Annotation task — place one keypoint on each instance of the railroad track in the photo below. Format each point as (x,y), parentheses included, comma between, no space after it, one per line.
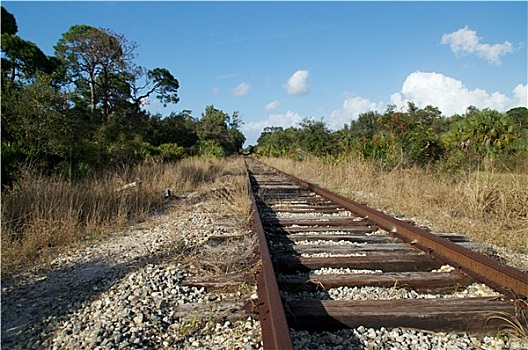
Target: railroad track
(313,242)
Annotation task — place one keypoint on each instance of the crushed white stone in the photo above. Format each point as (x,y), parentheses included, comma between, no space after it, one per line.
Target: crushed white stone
(123,293)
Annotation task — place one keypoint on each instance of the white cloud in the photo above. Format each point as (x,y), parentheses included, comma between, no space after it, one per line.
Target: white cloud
(451,96)
(297,84)
(422,88)
(284,120)
(241,90)
(520,94)
(216,91)
(272,105)
(466,41)
(252,130)
(353,106)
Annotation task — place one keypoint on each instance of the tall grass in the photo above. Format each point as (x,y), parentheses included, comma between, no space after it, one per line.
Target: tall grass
(485,205)
(43,214)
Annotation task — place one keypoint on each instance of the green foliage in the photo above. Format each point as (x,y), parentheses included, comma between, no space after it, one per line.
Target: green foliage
(483,137)
(314,137)
(125,152)
(518,117)
(380,148)
(420,137)
(519,120)
(169,152)
(165,85)
(98,63)
(275,141)
(177,128)
(366,125)
(79,112)
(36,118)
(12,152)
(484,132)
(9,25)
(147,82)
(210,149)
(23,60)
(217,126)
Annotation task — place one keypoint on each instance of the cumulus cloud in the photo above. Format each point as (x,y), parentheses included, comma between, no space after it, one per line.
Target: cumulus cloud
(465,41)
(520,94)
(298,85)
(272,105)
(284,120)
(252,130)
(353,106)
(451,96)
(241,90)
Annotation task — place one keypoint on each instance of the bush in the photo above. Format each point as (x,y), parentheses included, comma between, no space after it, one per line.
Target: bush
(210,149)
(130,152)
(169,152)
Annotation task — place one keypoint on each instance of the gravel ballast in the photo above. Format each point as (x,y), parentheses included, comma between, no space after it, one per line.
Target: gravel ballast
(127,292)
(397,338)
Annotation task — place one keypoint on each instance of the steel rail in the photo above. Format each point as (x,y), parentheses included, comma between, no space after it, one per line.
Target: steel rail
(275,329)
(508,280)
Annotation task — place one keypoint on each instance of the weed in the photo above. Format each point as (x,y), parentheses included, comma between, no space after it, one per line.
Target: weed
(513,325)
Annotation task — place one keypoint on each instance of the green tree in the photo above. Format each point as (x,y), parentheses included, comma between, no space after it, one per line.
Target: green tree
(235,137)
(479,134)
(22,60)
(315,138)
(159,81)
(519,118)
(366,125)
(95,59)
(418,138)
(221,129)
(36,119)
(80,111)
(489,131)
(274,141)
(312,137)
(179,128)
(9,24)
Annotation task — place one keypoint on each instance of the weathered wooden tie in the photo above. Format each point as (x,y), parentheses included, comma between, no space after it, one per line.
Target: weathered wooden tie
(467,314)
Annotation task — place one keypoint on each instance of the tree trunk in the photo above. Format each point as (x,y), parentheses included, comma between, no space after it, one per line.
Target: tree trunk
(105,96)
(92,92)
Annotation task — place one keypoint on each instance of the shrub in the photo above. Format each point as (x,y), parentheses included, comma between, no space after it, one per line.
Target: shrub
(169,152)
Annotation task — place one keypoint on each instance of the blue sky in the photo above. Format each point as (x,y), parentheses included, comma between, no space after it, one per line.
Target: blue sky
(277,63)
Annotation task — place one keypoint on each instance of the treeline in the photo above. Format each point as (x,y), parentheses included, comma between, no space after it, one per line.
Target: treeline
(420,137)
(82,110)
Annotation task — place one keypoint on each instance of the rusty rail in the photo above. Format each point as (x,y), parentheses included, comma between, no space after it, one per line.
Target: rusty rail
(275,330)
(507,280)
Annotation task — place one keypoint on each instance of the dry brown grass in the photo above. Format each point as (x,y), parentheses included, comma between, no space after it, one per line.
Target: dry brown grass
(486,206)
(226,245)
(516,325)
(226,201)
(42,215)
